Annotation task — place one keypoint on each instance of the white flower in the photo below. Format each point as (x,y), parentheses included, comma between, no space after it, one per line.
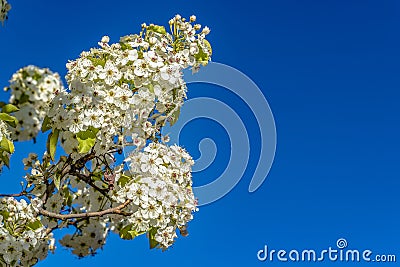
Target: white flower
(105,39)
(123,98)
(153,59)
(170,73)
(205,30)
(139,42)
(110,73)
(166,236)
(129,55)
(141,68)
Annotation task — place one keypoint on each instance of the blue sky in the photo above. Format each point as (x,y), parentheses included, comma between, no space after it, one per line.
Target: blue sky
(330,72)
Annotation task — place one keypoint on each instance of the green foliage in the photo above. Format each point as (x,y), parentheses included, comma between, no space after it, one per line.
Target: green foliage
(128,232)
(52,143)
(10,120)
(123,180)
(5,159)
(152,241)
(34,225)
(9,108)
(86,139)
(6,145)
(46,125)
(157,28)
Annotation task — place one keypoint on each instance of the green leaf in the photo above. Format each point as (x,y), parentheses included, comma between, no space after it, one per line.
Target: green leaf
(151,88)
(7,145)
(52,143)
(157,28)
(125,46)
(208,45)
(5,159)
(57,180)
(124,233)
(123,180)
(97,61)
(12,121)
(5,214)
(86,139)
(46,125)
(37,76)
(134,233)
(9,108)
(34,225)
(152,241)
(129,233)
(203,57)
(94,130)
(175,116)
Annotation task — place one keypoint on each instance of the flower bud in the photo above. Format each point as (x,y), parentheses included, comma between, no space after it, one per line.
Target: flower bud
(206,30)
(105,39)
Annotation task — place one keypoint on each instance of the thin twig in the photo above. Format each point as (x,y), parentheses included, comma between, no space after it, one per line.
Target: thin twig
(23,193)
(64,217)
(89,181)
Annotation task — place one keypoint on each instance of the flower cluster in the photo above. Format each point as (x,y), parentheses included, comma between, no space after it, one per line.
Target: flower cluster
(90,237)
(160,191)
(36,179)
(4,8)
(24,240)
(130,88)
(32,88)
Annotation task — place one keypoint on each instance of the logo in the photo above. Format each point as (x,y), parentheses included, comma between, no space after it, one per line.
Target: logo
(339,253)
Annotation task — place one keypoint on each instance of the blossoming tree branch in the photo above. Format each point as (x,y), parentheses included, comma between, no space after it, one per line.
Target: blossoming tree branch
(119,96)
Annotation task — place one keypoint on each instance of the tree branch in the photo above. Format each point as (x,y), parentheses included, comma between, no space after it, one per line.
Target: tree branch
(89,181)
(23,193)
(64,217)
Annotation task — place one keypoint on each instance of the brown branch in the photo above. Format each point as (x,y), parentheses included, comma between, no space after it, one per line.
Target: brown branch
(80,163)
(89,181)
(23,193)
(64,217)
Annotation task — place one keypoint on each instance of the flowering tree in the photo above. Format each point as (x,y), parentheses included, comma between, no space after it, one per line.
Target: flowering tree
(119,96)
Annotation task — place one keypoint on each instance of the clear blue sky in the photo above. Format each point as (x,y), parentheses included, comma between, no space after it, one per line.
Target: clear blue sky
(330,71)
